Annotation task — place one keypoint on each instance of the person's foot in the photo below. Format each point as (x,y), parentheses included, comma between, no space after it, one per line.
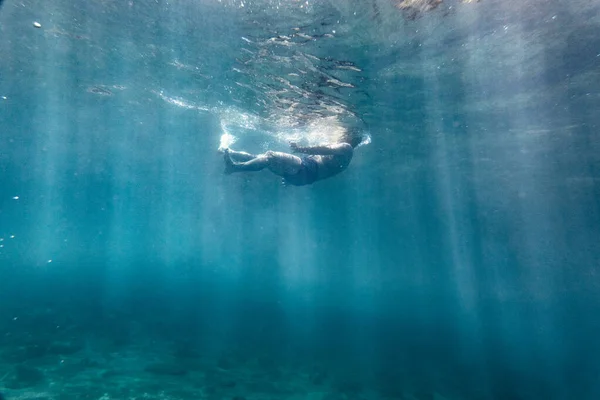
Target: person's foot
(229,165)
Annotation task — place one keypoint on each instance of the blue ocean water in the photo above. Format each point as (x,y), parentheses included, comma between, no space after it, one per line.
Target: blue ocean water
(456,258)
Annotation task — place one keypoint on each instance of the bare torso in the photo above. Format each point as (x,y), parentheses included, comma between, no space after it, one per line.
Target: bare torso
(333,164)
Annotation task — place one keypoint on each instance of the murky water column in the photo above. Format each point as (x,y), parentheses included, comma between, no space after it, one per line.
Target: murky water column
(512,148)
(457,255)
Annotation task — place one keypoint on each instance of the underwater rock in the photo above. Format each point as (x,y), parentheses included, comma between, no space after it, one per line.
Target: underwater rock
(348,385)
(318,378)
(423,395)
(88,363)
(210,390)
(63,349)
(184,350)
(28,374)
(25,376)
(110,373)
(225,363)
(1,395)
(333,396)
(22,354)
(165,369)
(34,351)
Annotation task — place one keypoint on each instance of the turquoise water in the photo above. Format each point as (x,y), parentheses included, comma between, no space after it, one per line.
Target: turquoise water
(456,258)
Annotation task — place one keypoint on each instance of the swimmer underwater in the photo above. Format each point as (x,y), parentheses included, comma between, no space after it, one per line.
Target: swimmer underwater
(317,162)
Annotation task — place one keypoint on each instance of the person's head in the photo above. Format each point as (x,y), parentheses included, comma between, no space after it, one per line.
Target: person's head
(352,136)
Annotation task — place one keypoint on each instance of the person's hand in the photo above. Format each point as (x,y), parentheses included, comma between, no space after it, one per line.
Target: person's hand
(294,146)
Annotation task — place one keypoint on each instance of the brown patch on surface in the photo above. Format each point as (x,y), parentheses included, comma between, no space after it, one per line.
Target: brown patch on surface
(414,8)
(419,5)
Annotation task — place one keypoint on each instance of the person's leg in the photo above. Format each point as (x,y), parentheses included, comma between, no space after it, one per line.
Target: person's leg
(283,164)
(279,163)
(254,164)
(240,155)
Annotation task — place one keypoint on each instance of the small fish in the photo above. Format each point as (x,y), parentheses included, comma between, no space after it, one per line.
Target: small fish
(99,90)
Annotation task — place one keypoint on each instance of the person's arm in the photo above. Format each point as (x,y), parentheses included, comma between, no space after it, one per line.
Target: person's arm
(323,150)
